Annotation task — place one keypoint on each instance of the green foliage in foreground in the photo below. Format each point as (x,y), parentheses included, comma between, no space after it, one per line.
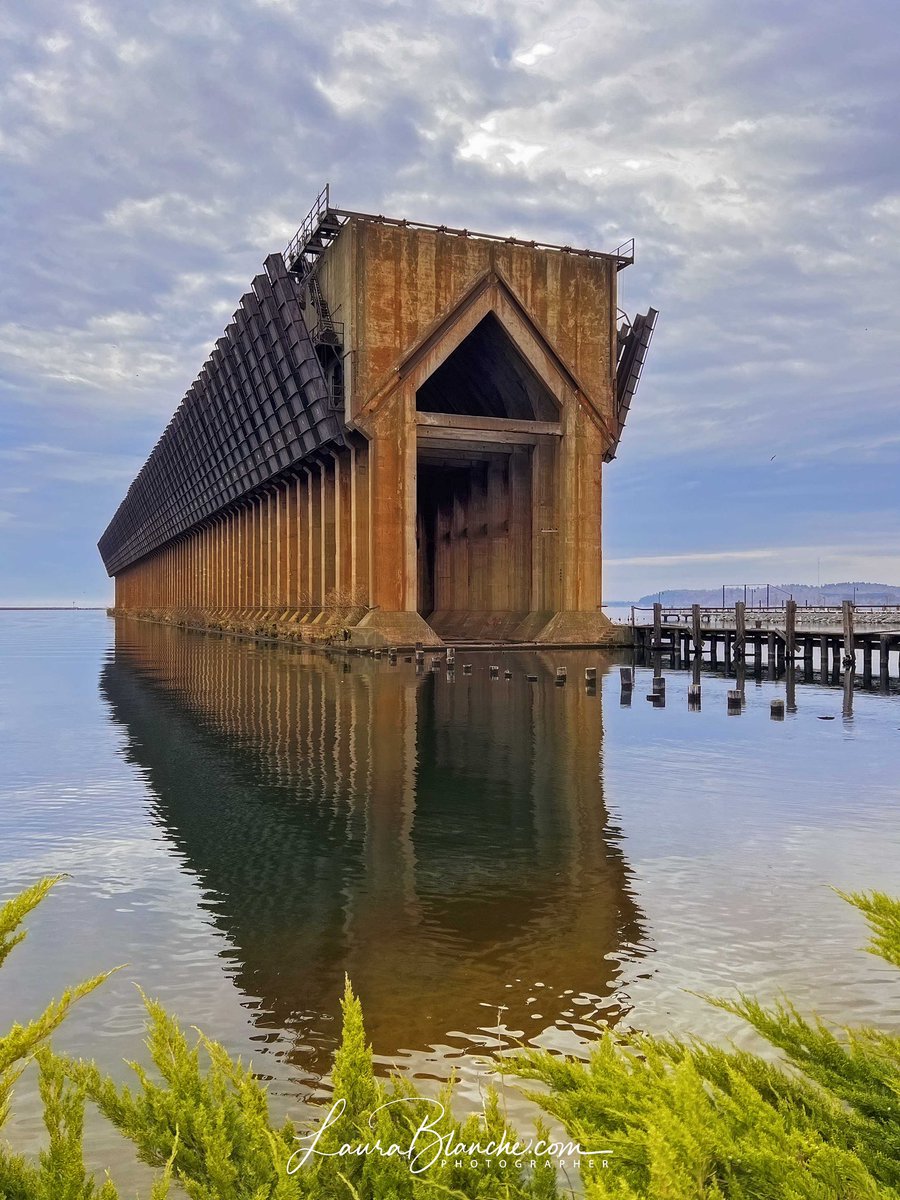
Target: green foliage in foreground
(689,1119)
(204,1120)
(683,1120)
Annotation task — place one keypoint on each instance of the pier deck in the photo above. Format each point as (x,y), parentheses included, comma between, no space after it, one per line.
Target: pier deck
(774,636)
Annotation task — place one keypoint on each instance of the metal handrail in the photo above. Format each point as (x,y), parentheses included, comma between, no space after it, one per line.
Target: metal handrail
(623,255)
(729,608)
(311,222)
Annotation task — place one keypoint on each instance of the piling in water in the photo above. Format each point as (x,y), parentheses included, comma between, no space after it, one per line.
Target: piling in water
(694,696)
(776,710)
(626,677)
(734,700)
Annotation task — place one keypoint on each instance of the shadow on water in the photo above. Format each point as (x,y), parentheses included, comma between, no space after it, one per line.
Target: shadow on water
(444,841)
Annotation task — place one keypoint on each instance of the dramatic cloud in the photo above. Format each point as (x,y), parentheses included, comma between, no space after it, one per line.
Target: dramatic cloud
(153,155)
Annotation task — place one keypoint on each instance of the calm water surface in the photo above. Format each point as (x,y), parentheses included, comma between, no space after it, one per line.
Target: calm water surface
(491,862)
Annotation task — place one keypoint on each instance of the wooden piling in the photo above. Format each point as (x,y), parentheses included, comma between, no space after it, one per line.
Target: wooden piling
(791,686)
(696,630)
(790,628)
(740,631)
(849,659)
(776,710)
(807,658)
(657,626)
(694,696)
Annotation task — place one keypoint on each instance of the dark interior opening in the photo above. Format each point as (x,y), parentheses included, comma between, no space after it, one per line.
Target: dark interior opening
(473,532)
(487,376)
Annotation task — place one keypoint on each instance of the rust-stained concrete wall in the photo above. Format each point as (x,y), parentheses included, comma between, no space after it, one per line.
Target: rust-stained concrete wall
(405,280)
(341,542)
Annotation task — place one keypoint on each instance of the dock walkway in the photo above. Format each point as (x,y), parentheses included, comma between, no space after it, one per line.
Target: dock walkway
(788,632)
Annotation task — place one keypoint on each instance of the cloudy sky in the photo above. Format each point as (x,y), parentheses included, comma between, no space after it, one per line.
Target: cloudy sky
(152,154)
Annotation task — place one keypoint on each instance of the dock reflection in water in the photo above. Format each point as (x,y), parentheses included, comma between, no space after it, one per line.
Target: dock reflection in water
(443,842)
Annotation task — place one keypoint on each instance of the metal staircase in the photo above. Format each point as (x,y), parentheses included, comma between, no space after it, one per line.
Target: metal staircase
(301,256)
(315,235)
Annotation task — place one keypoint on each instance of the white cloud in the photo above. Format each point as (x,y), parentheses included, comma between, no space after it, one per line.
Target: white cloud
(528,58)
(169,215)
(66,465)
(87,359)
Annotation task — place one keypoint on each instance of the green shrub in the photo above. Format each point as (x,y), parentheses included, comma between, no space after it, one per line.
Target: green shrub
(688,1119)
(59,1173)
(682,1120)
(205,1121)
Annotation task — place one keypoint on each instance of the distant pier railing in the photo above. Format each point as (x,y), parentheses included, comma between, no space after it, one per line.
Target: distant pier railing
(815,618)
(776,635)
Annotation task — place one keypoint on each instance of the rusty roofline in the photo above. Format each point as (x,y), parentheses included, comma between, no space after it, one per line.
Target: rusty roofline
(323,222)
(623,255)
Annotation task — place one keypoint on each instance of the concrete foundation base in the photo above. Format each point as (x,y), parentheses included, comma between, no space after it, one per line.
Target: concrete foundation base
(380,628)
(583,629)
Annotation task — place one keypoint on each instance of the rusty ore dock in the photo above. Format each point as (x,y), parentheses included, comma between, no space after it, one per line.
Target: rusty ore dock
(399,439)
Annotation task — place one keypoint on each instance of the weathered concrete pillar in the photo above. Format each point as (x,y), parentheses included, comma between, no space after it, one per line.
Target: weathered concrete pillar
(360,521)
(343,465)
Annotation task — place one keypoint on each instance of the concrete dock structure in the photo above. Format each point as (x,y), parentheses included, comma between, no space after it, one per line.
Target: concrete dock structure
(398,440)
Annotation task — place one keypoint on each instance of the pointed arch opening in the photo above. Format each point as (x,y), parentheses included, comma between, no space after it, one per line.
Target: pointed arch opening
(487,376)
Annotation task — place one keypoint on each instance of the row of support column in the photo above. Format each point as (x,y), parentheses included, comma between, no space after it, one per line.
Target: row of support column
(301,543)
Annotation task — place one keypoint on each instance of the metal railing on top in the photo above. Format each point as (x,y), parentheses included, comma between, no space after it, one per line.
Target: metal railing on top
(623,255)
(311,223)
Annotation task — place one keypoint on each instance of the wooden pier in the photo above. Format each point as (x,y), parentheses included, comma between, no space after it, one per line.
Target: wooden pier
(771,638)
